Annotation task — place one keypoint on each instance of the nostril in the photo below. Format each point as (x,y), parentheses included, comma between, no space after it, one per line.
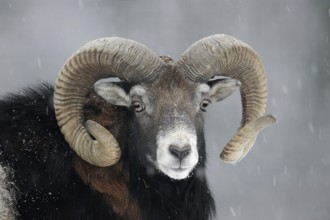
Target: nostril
(175,151)
(185,151)
(180,152)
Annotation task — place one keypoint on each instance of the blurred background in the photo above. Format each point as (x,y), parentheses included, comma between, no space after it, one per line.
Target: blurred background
(287,173)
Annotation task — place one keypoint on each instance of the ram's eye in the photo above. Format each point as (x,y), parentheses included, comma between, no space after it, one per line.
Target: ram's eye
(138,106)
(204,103)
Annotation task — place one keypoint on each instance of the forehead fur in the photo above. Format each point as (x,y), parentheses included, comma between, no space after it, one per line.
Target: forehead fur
(173,87)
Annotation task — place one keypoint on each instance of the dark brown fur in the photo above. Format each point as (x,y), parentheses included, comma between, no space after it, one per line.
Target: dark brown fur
(112,183)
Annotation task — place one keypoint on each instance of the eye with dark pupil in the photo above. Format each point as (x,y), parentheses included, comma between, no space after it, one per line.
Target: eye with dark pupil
(204,104)
(137,106)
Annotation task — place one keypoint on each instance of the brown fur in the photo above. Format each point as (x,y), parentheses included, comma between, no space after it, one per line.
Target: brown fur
(112,181)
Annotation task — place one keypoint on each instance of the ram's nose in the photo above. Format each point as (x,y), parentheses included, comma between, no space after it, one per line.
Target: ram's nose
(179,152)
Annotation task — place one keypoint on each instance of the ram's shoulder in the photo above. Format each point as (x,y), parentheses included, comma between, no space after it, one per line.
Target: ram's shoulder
(30,103)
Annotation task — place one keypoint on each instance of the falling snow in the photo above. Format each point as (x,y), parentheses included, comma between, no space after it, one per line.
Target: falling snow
(288,9)
(39,63)
(284,89)
(232,211)
(274,181)
(311,127)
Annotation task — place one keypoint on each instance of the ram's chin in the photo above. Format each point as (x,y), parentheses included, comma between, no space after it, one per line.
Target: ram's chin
(176,173)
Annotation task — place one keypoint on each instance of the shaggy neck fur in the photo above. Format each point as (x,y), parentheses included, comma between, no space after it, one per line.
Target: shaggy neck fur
(160,197)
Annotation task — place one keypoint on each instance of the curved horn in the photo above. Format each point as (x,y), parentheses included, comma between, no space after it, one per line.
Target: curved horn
(224,55)
(102,58)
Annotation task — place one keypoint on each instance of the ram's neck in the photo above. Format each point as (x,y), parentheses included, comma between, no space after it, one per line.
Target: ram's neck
(159,197)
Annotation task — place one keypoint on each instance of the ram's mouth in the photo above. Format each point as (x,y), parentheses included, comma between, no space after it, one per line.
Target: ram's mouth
(179,169)
(176,173)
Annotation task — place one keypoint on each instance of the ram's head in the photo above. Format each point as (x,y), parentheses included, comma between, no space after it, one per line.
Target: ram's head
(166,99)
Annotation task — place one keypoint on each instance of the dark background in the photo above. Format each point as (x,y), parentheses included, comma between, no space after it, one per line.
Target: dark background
(287,174)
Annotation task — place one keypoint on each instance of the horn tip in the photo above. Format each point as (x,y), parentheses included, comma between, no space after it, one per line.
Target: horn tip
(231,158)
(274,118)
(271,118)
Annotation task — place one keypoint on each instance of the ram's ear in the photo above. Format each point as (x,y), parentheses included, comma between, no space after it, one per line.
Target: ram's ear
(114,92)
(222,88)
